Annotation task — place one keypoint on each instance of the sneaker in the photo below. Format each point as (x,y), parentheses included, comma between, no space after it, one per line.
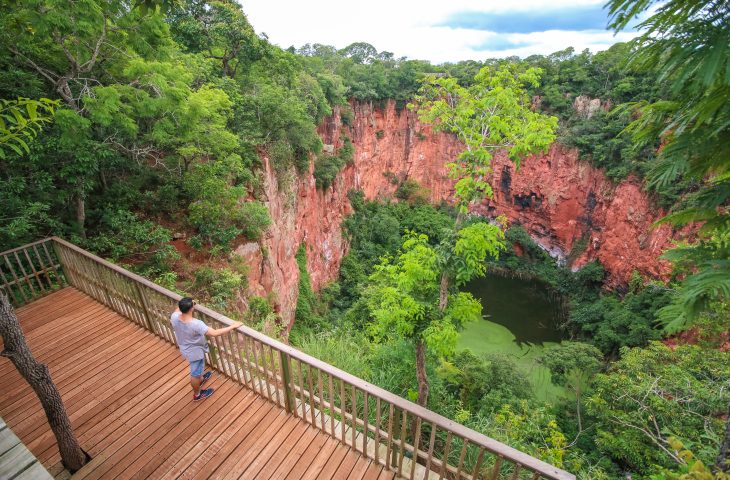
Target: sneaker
(203,395)
(206,377)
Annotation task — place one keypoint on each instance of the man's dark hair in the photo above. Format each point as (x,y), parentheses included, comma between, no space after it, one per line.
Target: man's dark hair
(185,304)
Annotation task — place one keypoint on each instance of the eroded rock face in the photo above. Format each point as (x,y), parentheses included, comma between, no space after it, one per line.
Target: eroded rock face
(560,200)
(300,214)
(573,211)
(587,106)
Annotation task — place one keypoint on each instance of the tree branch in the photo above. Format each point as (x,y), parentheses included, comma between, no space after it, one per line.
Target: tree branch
(61,41)
(44,72)
(651,437)
(88,65)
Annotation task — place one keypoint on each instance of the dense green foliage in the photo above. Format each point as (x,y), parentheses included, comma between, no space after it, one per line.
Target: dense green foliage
(492,113)
(20,122)
(307,313)
(159,115)
(658,392)
(490,393)
(126,239)
(483,383)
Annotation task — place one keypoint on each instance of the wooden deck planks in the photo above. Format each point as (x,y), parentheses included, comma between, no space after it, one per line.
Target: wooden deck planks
(289,454)
(347,466)
(358,471)
(90,376)
(128,397)
(177,439)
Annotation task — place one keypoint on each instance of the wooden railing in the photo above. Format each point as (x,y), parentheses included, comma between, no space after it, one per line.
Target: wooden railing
(380,425)
(30,271)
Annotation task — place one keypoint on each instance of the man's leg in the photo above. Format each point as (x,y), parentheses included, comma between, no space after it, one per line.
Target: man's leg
(195,383)
(196,375)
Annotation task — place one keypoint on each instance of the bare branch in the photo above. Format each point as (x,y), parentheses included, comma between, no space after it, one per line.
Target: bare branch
(656,440)
(88,65)
(139,154)
(61,41)
(44,72)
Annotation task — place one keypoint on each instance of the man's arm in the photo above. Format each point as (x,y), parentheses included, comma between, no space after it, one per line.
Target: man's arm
(217,332)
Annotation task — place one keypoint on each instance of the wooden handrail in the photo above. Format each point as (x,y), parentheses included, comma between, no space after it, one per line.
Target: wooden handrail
(28,245)
(29,272)
(232,354)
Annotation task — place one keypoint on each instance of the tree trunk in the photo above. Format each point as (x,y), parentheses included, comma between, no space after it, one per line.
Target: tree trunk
(444,285)
(421,373)
(102,179)
(81,214)
(443,292)
(64,90)
(723,458)
(39,378)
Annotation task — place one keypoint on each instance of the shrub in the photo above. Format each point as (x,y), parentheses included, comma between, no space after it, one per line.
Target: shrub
(262,317)
(484,384)
(392,177)
(347,115)
(306,314)
(611,323)
(259,308)
(347,151)
(326,169)
(253,218)
(411,191)
(219,286)
(281,154)
(125,237)
(217,211)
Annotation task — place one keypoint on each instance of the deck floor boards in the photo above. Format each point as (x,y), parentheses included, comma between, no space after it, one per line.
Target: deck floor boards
(127,394)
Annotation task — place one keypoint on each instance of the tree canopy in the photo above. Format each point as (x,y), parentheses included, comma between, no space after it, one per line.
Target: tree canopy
(686,43)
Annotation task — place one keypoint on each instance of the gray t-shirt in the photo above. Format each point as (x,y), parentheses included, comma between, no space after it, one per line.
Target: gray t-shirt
(190,337)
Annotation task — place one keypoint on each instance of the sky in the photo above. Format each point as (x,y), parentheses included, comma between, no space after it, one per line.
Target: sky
(438,31)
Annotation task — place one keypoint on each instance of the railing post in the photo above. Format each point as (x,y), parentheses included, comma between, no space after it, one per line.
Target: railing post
(145,309)
(66,273)
(396,428)
(286,380)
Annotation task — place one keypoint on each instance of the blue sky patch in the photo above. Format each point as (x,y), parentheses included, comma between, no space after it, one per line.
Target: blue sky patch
(499,44)
(577,18)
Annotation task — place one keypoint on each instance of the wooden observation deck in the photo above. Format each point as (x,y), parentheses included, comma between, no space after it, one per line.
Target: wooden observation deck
(277,412)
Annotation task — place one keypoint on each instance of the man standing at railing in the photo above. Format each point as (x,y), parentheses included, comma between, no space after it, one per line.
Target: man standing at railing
(190,334)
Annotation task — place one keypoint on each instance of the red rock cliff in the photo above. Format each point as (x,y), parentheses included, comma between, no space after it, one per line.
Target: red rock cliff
(557,198)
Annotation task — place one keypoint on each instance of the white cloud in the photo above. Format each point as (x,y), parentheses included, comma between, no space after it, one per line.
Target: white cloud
(407,28)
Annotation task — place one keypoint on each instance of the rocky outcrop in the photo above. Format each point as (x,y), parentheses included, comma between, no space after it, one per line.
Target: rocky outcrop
(577,214)
(301,214)
(570,208)
(586,106)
